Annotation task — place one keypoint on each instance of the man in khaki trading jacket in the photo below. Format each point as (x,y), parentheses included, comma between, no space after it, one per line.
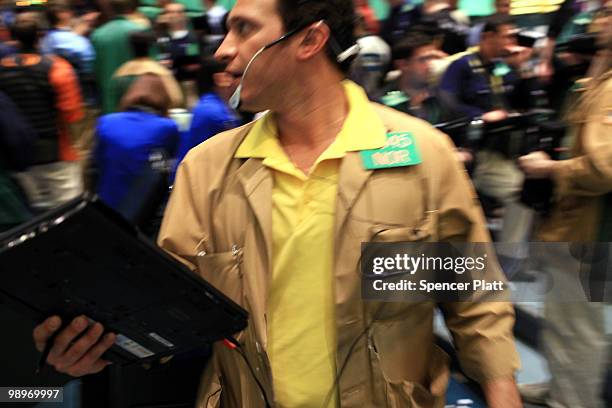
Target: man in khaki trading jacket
(274,214)
(574,337)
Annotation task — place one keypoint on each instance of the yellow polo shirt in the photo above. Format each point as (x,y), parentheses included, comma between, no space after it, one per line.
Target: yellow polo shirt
(301,314)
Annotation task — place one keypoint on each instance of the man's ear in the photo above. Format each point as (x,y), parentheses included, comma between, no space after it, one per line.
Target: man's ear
(314,41)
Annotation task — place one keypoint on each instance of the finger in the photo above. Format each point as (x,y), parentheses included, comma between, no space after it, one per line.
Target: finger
(67,336)
(91,361)
(80,347)
(43,331)
(94,369)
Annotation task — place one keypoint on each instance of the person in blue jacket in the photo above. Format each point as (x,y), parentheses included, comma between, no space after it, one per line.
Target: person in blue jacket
(212,114)
(126,139)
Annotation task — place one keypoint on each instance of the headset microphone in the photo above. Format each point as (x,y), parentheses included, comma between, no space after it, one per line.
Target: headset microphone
(235,100)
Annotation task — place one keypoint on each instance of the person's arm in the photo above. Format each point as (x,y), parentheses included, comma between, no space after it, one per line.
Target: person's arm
(560,19)
(68,100)
(482,331)
(501,393)
(589,174)
(67,91)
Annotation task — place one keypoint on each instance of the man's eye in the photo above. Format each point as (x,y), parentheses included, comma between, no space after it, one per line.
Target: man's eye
(243,28)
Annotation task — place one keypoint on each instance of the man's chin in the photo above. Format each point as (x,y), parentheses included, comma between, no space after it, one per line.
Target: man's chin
(252,106)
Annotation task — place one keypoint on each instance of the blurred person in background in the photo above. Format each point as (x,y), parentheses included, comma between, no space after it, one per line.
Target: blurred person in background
(402,17)
(62,40)
(502,7)
(574,338)
(16,143)
(211,115)
(68,39)
(363,9)
(182,41)
(567,54)
(482,84)
(8,12)
(181,46)
(211,26)
(141,43)
(112,46)
(412,93)
(372,62)
(451,25)
(125,139)
(215,15)
(46,91)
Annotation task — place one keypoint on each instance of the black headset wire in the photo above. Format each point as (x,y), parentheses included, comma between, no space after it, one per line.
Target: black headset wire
(240,351)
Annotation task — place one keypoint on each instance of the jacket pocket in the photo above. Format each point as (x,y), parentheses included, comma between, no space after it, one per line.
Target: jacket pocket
(407,394)
(223,270)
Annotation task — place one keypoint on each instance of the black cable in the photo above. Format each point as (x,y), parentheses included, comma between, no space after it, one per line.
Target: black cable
(334,386)
(248,363)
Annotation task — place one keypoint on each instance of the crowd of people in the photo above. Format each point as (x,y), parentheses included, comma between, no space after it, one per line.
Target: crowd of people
(426,60)
(91,92)
(81,74)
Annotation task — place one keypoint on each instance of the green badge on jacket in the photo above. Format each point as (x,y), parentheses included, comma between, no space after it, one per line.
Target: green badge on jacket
(501,70)
(399,151)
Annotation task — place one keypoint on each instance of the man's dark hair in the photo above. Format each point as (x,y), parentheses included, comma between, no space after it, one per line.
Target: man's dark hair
(25,31)
(412,41)
(339,15)
(493,22)
(208,67)
(141,42)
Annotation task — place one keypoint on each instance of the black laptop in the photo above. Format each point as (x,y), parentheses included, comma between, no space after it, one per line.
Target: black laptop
(84,258)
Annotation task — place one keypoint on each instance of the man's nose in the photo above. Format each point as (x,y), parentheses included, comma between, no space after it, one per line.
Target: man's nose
(228,50)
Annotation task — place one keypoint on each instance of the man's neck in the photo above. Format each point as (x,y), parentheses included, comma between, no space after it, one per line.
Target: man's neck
(308,126)
(417,96)
(316,118)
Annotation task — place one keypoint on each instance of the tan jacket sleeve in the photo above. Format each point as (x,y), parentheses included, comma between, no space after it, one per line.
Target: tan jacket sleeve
(590,173)
(482,331)
(182,232)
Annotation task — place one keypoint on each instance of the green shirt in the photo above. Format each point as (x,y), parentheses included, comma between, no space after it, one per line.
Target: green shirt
(111,42)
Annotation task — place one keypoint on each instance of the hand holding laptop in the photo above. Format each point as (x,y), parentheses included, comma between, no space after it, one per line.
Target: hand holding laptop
(75,349)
